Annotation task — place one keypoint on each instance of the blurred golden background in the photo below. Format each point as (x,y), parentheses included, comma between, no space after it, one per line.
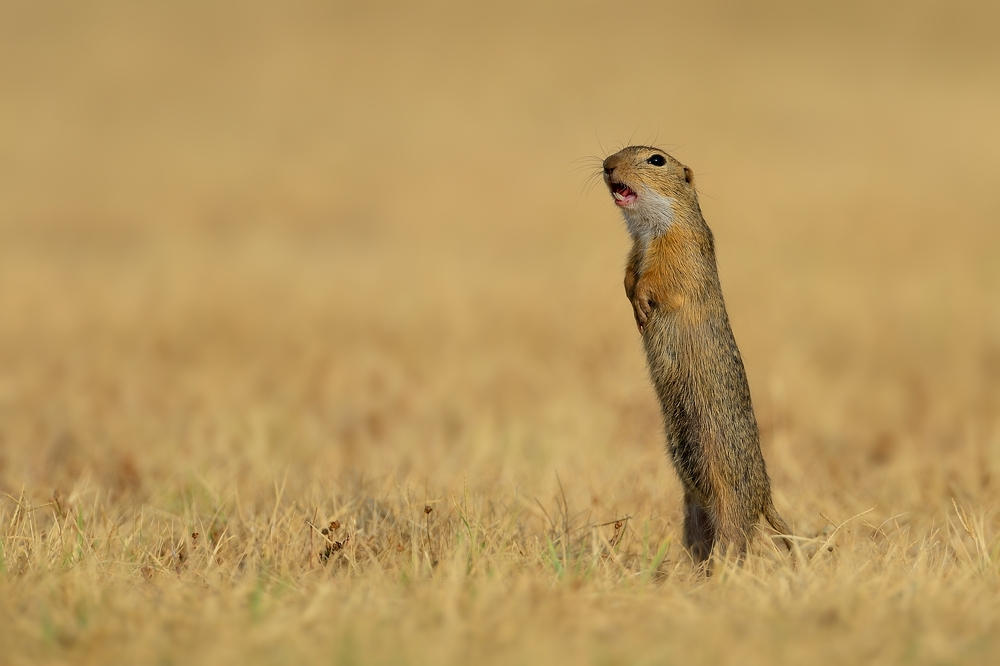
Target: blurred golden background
(338,191)
(353,246)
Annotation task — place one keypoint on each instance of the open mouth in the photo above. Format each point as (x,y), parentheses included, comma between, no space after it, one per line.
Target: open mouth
(622,194)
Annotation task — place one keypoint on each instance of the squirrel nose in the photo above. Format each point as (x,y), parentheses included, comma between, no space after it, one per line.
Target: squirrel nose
(608,169)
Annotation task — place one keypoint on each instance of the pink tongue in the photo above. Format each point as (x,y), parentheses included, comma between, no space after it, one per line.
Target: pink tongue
(626,198)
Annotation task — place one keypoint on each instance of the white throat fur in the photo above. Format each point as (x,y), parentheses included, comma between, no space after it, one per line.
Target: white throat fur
(650,216)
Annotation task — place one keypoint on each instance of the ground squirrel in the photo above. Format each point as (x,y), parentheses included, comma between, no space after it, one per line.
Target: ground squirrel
(673,284)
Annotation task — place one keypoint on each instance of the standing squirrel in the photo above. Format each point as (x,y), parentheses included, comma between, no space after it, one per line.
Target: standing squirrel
(672,281)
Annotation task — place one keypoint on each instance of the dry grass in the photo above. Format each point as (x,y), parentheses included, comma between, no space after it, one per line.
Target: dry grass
(264,271)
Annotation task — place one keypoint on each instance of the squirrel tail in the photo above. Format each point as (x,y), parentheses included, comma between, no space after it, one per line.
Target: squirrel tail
(779,525)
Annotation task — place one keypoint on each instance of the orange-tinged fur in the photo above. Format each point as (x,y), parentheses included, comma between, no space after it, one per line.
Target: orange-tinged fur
(672,281)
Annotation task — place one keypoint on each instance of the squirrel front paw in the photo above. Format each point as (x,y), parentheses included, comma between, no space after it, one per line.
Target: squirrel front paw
(642,305)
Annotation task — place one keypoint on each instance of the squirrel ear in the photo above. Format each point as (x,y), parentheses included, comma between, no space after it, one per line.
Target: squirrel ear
(689,176)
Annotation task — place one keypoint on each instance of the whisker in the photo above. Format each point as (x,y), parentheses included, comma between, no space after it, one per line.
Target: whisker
(588,162)
(590,182)
(600,144)
(632,135)
(593,180)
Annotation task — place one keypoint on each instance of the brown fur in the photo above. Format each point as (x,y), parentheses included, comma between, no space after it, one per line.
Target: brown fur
(673,284)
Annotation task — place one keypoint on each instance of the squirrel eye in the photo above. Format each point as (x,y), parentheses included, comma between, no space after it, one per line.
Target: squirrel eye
(657,160)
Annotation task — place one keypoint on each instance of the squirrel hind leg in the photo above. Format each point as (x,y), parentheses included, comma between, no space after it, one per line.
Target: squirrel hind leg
(733,537)
(699,533)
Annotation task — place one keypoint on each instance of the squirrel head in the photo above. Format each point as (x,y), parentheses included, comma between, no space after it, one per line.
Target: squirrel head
(650,187)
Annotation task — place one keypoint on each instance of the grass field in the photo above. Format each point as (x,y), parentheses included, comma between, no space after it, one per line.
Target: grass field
(313,345)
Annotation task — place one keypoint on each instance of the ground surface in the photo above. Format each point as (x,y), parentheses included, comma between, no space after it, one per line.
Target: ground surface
(263,270)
